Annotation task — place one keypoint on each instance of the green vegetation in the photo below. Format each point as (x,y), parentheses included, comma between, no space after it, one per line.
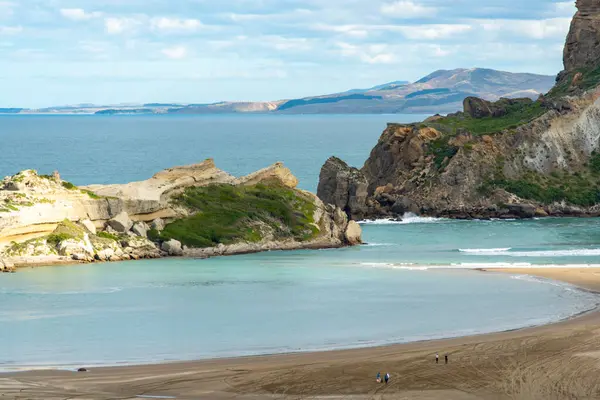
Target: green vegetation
(441,150)
(66,230)
(581,189)
(90,193)
(106,235)
(517,114)
(594,164)
(17,249)
(228,214)
(68,185)
(590,78)
(153,235)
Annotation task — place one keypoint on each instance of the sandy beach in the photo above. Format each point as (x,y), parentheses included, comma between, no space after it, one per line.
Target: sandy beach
(558,361)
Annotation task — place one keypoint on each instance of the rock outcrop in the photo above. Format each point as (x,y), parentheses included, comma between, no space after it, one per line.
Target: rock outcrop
(582,48)
(343,186)
(44,220)
(513,158)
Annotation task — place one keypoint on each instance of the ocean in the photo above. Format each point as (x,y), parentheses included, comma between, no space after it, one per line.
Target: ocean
(413,280)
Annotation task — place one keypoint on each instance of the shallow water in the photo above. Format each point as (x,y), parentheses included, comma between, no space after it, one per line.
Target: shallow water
(178,309)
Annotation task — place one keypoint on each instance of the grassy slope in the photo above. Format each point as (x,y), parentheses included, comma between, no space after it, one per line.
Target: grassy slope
(229,214)
(579,188)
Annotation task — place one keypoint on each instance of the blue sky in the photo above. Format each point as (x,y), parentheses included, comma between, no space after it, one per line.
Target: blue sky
(56,52)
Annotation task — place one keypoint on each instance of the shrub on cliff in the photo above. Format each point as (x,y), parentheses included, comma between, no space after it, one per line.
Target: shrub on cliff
(228,214)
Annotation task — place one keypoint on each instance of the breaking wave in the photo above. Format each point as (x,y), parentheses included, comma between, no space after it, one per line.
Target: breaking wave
(535,253)
(408,218)
(476,251)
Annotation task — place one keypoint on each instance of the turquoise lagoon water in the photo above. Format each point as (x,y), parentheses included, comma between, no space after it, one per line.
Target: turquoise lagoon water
(400,287)
(413,280)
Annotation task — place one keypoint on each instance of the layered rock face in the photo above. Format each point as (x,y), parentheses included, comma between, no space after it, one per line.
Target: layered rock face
(583,42)
(514,158)
(45,220)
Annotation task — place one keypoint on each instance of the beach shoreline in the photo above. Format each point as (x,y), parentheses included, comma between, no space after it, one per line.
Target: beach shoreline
(483,366)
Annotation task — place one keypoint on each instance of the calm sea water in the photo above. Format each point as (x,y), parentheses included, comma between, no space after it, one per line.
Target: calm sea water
(402,286)
(121,149)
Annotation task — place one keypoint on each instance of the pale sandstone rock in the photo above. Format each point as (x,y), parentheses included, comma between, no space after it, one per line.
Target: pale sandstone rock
(140,229)
(158,224)
(89,225)
(276,172)
(353,233)
(121,222)
(172,247)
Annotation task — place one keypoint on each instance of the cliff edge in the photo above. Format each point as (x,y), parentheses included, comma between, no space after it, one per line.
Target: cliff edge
(513,158)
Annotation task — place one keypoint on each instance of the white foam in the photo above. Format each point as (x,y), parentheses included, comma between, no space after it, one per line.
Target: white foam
(408,218)
(537,253)
(378,244)
(405,266)
(501,265)
(500,250)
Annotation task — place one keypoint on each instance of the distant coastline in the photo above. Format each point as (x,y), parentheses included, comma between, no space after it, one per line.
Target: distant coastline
(440,92)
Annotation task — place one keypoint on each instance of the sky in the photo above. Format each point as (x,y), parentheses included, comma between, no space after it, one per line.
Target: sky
(58,52)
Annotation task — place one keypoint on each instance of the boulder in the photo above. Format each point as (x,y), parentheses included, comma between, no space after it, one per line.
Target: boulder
(172,247)
(404,205)
(158,224)
(479,108)
(105,254)
(6,265)
(344,187)
(121,222)
(353,233)
(522,210)
(89,225)
(79,249)
(140,229)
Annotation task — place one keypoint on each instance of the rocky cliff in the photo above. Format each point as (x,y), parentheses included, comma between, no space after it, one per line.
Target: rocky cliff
(196,210)
(505,159)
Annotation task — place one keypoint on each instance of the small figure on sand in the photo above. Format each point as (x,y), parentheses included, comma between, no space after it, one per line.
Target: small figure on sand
(379,377)
(446,358)
(387,378)
(437,358)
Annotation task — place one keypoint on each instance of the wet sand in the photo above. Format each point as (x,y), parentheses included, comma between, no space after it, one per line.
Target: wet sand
(558,361)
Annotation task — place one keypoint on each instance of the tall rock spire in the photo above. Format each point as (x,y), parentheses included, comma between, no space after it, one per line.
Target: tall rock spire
(582,48)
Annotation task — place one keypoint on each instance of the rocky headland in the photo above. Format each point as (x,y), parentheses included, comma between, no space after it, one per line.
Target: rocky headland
(196,210)
(513,158)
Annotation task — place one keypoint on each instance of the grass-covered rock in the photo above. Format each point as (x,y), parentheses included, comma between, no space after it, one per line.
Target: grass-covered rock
(228,214)
(580,188)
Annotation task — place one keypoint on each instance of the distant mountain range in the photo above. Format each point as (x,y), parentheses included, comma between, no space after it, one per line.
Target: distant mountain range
(440,92)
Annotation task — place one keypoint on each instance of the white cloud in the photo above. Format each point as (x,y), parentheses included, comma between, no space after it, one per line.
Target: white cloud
(79,14)
(283,43)
(6,8)
(175,53)
(534,29)
(435,31)
(369,54)
(175,24)
(10,30)
(563,9)
(407,9)
(356,31)
(116,25)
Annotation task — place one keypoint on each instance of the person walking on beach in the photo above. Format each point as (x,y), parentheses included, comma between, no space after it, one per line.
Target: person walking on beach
(437,358)
(387,378)
(446,358)
(379,377)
